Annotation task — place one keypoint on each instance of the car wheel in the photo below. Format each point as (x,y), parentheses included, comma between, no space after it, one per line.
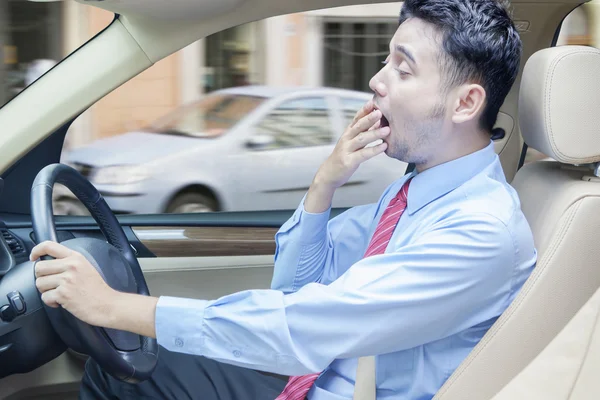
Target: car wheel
(192,203)
(69,207)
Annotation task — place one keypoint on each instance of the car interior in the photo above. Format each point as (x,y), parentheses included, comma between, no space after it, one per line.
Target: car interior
(546,345)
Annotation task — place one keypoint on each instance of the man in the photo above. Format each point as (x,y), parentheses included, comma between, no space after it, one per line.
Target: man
(416,279)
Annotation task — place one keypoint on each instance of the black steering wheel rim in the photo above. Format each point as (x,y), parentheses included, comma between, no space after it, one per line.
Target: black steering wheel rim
(131,366)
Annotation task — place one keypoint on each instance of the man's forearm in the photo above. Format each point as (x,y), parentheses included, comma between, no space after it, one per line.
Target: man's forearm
(319,198)
(133,313)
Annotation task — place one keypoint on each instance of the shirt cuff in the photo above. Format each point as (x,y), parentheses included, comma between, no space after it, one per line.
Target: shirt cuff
(179,324)
(313,224)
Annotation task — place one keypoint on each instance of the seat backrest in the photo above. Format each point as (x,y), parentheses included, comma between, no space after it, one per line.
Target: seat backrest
(559,114)
(567,369)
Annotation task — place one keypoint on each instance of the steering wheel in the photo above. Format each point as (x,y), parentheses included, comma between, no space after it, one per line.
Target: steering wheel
(124,355)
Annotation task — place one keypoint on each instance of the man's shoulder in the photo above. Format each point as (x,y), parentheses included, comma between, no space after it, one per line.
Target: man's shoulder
(486,196)
(492,206)
(479,204)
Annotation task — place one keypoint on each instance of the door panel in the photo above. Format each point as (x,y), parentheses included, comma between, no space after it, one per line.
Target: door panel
(206,262)
(206,278)
(192,277)
(206,241)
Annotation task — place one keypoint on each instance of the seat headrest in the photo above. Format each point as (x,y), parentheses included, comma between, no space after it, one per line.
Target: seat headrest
(559,103)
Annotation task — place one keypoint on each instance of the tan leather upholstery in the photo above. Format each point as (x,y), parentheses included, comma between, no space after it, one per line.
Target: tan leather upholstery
(365,387)
(556,103)
(560,116)
(568,368)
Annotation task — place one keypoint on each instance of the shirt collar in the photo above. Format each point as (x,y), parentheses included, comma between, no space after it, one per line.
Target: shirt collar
(435,182)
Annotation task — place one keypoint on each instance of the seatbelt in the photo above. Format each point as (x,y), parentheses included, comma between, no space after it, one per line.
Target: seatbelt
(365,387)
(523,155)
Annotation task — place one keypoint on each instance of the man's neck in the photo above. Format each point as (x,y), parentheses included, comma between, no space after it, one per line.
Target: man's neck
(455,151)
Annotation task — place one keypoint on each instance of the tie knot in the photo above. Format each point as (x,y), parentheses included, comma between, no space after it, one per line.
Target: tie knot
(402,195)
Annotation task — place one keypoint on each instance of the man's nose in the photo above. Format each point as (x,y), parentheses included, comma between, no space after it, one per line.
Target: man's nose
(378,86)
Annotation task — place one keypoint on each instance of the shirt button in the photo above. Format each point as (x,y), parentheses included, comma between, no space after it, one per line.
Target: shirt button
(179,342)
(237,353)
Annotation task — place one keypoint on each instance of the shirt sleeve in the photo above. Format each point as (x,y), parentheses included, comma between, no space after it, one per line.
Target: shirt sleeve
(311,248)
(454,277)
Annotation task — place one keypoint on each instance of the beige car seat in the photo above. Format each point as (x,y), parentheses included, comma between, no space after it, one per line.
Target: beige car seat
(567,369)
(559,115)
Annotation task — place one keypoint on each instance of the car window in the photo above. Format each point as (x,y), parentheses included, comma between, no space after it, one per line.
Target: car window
(209,117)
(35,36)
(349,109)
(237,121)
(296,123)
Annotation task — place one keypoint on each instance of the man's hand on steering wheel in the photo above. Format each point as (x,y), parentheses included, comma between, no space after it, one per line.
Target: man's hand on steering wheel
(94,291)
(71,282)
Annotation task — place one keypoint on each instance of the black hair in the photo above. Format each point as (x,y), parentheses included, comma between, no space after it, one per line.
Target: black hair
(480,44)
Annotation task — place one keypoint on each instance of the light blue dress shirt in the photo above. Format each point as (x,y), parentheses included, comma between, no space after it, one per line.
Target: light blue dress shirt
(458,256)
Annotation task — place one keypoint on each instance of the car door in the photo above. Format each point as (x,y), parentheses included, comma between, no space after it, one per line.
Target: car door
(283,151)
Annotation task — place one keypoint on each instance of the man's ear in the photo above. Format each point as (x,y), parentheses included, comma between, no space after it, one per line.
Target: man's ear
(470,100)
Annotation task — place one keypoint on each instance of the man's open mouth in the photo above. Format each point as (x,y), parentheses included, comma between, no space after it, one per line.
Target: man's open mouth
(384,121)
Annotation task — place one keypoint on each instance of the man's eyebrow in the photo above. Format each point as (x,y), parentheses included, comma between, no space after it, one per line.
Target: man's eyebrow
(406,52)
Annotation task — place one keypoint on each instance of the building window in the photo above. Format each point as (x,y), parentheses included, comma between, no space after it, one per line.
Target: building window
(30,43)
(232,57)
(354,52)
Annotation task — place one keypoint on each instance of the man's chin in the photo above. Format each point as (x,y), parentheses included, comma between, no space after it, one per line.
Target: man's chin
(391,154)
(398,154)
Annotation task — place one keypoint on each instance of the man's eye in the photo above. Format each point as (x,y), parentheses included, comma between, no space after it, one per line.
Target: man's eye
(402,73)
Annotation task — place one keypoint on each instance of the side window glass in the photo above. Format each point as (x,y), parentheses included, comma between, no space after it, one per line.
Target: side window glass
(37,35)
(349,109)
(295,123)
(191,133)
(576,29)
(210,117)
(354,50)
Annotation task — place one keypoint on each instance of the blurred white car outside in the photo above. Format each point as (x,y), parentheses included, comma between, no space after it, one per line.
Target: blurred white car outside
(238,149)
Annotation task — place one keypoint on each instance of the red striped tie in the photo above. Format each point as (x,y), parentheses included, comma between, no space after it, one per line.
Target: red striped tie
(387,223)
(298,386)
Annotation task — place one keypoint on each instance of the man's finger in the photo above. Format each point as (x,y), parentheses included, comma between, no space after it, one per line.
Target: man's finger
(365,110)
(369,152)
(376,126)
(50,267)
(46,283)
(364,124)
(51,249)
(364,138)
(50,298)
